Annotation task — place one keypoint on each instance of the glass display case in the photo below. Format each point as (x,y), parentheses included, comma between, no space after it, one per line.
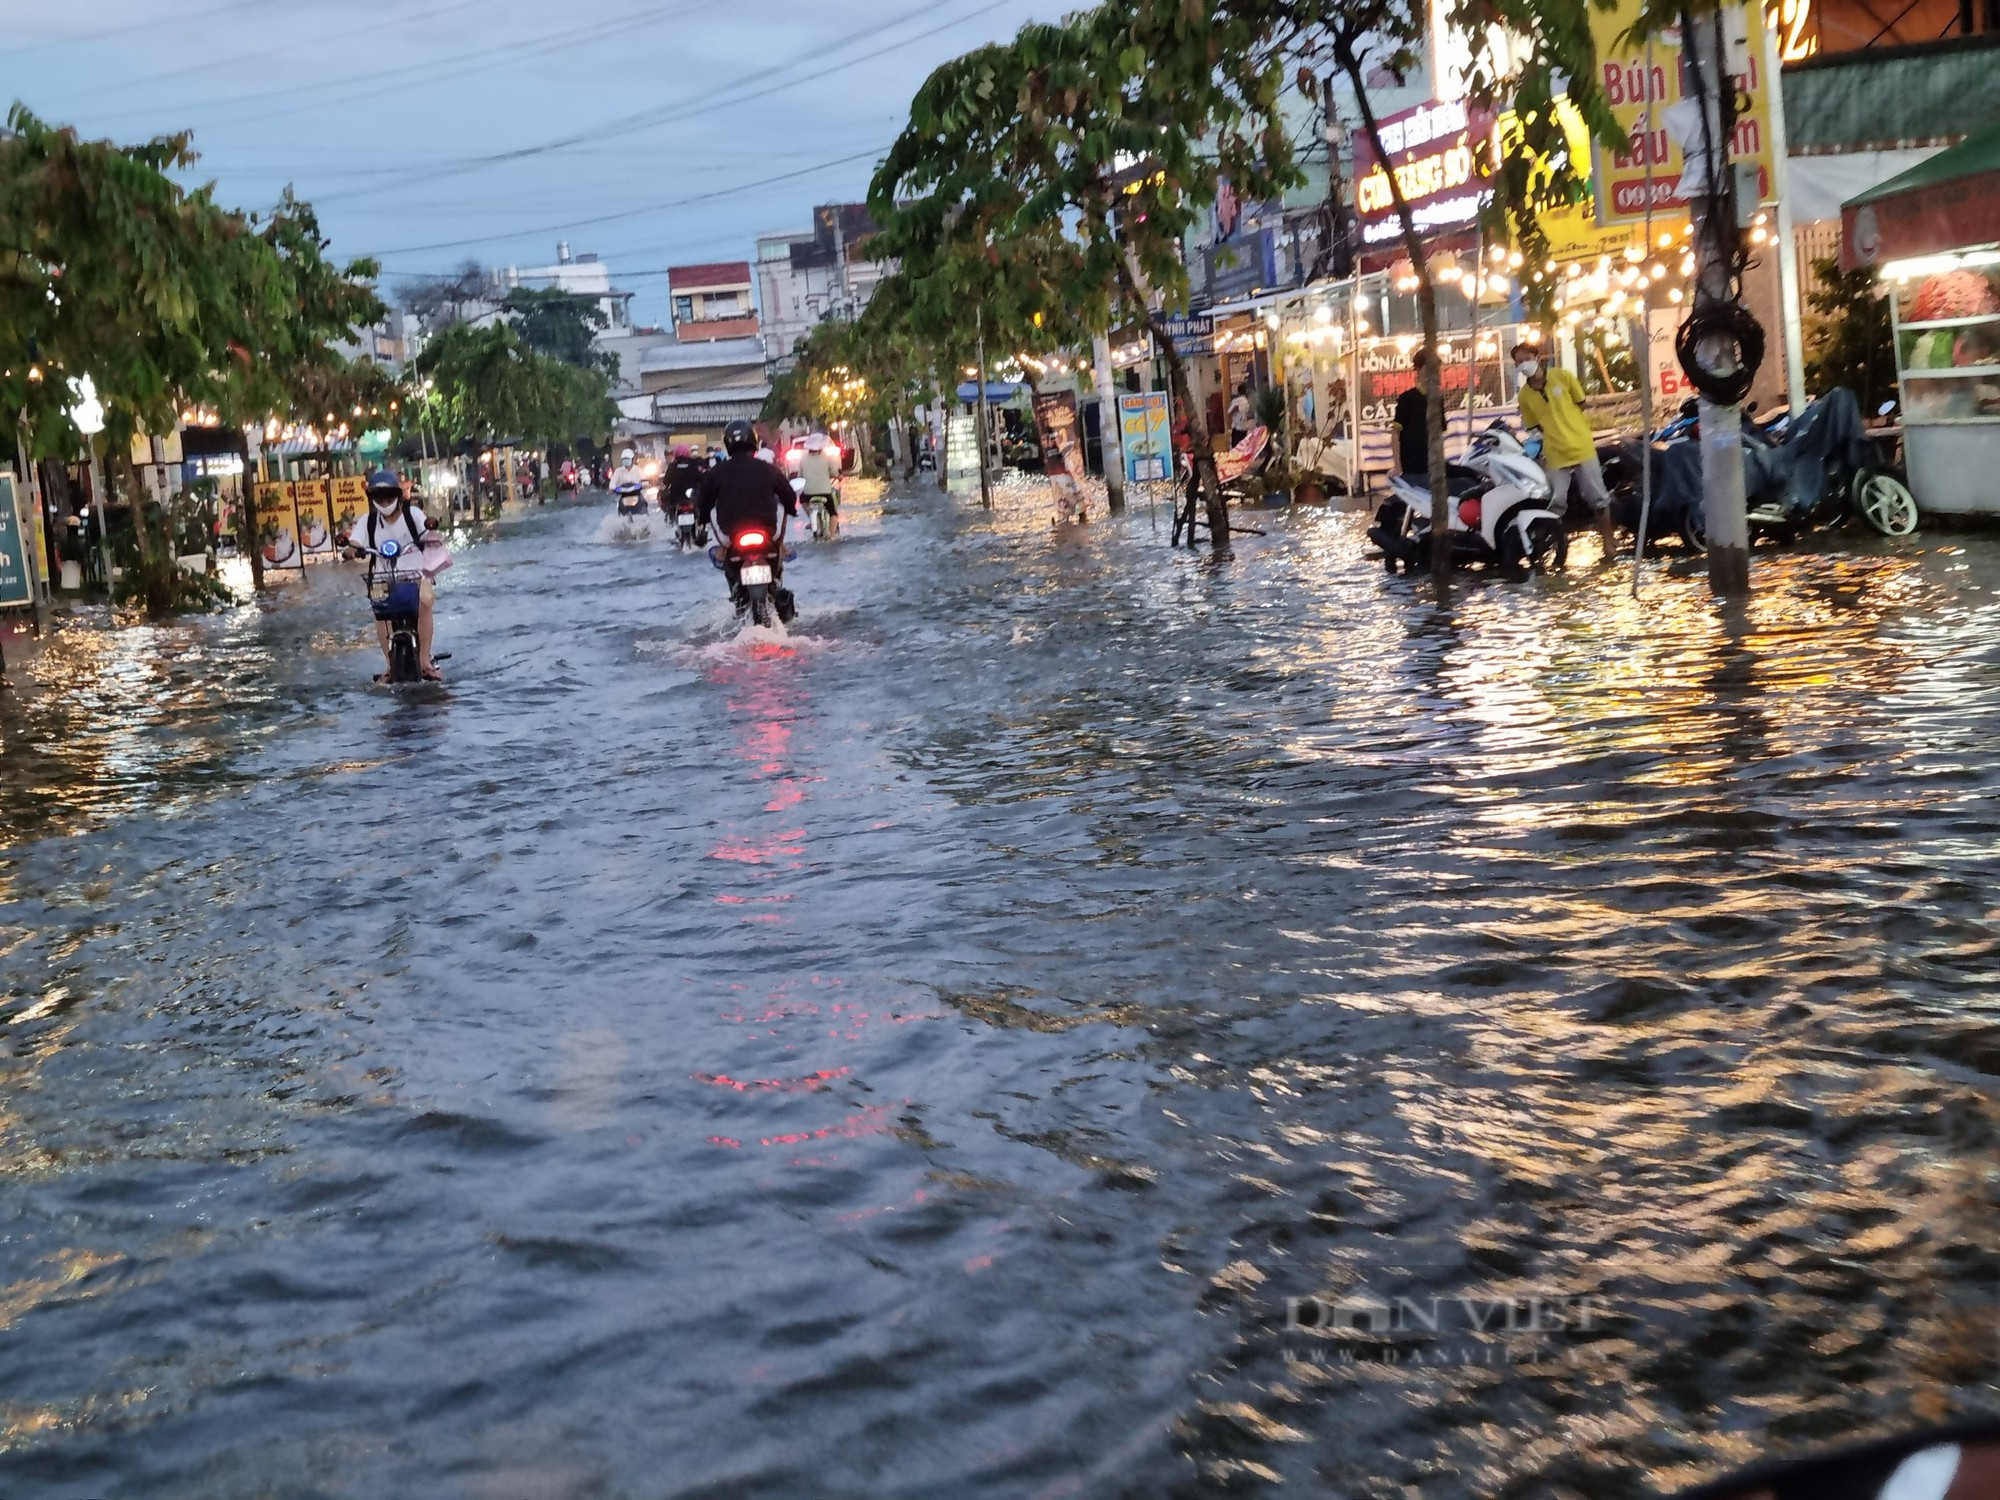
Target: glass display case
(1946,312)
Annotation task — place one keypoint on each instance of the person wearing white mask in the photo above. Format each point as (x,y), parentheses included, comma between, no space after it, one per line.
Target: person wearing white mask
(1552,400)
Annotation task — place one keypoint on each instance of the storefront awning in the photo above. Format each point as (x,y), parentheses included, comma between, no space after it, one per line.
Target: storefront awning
(1946,203)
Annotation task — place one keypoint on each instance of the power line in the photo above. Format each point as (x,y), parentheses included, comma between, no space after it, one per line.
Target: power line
(112,32)
(634,213)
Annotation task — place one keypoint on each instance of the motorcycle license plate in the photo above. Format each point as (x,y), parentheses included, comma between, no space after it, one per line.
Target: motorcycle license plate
(756,573)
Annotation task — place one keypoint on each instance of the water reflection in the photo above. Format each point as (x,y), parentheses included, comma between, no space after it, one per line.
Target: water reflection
(670,1053)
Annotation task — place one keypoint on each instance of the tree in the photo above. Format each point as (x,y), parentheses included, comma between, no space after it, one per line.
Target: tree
(1848,339)
(437,302)
(486,383)
(112,270)
(1097,142)
(562,325)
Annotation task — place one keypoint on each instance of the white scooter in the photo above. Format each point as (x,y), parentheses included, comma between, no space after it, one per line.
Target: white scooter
(1500,513)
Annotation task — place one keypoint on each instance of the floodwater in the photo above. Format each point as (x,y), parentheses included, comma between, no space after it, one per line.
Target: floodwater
(927,1054)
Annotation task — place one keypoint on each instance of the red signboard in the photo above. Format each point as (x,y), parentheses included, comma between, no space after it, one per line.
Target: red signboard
(1926,220)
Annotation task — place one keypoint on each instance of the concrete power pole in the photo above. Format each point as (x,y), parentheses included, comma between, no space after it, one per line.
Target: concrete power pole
(1712,200)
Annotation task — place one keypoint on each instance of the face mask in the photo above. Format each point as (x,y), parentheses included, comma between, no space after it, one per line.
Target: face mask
(1527,368)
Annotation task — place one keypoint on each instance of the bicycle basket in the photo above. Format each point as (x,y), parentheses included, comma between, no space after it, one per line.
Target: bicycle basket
(394,598)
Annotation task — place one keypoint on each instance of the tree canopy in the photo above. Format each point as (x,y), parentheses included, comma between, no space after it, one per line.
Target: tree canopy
(486,383)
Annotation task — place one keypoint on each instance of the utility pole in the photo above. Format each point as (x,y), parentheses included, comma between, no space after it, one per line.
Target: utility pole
(1715,349)
(1110,436)
(985,433)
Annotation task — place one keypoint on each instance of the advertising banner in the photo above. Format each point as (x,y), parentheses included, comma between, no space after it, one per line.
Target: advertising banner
(315,510)
(17,579)
(1062,449)
(1433,150)
(1646,89)
(1148,438)
(278,520)
(1386,374)
(350,503)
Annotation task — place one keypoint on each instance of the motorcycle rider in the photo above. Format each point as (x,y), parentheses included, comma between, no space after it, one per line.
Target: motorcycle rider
(1552,400)
(391,517)
(683,478)
(745,491)
(822,477)
(627,472)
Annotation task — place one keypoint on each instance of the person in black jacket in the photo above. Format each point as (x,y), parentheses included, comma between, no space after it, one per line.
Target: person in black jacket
(683,477)
(743,492)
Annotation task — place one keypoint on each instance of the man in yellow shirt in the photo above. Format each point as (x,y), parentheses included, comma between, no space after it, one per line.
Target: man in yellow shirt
(1553,401)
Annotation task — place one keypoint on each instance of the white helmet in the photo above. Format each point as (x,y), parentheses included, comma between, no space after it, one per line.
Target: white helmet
(816,443)
(626,458)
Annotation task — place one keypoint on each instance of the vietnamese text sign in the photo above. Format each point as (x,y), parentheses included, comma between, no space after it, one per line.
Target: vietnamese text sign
(278,523)
(1433,151)
(350,503)
(17,580)
(315,509)
(1194,335)
(1642,85)
(1147,436)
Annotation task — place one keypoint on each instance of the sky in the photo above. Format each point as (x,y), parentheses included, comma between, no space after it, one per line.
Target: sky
(432,132)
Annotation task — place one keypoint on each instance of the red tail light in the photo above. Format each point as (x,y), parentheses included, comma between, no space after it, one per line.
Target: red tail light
(750,539)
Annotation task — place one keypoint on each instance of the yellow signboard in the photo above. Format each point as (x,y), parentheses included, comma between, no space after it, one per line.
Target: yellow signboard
(315,518)
(350,503)
(1641,84)
(278,520)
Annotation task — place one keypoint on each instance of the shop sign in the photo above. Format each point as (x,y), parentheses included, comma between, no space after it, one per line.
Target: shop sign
(1433,150)
(278,520)
(315,509)
(17,582)
(1190,336)
(1062,453)
(1242,266)
(350,503)
(1642,84)
(1384,367)
(1147,437)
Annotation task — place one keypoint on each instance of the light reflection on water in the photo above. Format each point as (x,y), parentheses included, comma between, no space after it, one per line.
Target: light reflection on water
(665,1062)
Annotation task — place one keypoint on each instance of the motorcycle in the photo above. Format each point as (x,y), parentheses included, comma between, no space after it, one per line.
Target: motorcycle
(1816,468)
(398,601)
(570,481)
(927,458)
(1499,516)
(821,519)
(758,596)
(688,530)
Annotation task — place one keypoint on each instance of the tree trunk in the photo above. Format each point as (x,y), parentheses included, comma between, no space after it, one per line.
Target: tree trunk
(1433,376)
(1201,449)
(247,526)
(944,446)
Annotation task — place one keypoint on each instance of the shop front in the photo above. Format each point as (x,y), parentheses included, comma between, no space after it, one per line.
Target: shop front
(1933,236)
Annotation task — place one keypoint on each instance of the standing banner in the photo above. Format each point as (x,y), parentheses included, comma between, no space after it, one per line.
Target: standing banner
(350,503)
(1645,87)
(17,579)
(279,520)
(1147,436)
(315,510)
(1062,453)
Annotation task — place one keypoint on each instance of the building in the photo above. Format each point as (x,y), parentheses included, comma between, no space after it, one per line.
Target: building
(713,302)
(579,275)
(690,391)
(806,277)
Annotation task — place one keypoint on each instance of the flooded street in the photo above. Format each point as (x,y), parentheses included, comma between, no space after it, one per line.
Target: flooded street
(927,1055)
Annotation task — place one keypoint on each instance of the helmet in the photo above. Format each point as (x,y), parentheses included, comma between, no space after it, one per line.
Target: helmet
(816,443)
(739,437)
(385,484)
(681,450)
(626,457)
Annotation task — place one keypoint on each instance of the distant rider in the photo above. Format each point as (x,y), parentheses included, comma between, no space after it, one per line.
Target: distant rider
(628,472)
(392,518)
(821,475)
(745,491)
(683,477)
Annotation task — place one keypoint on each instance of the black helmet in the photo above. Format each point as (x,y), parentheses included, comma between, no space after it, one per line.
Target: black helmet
(385,484)
(739,437)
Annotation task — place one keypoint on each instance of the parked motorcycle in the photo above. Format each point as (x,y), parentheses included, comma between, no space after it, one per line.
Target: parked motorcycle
(1818,468)
(1500,515)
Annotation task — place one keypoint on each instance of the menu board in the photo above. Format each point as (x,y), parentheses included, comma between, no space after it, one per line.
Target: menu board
(278,525)
(1948,345)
